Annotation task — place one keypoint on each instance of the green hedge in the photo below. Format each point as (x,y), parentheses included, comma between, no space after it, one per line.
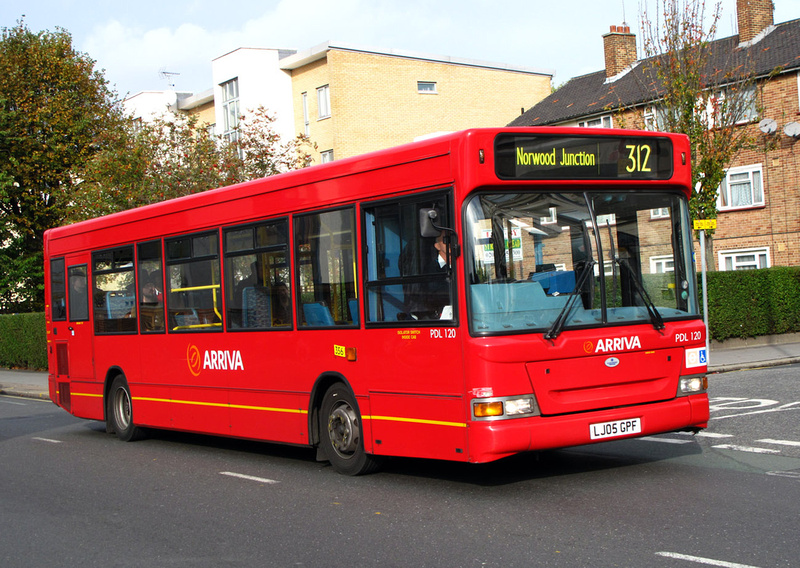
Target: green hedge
(23,341)
(749,303)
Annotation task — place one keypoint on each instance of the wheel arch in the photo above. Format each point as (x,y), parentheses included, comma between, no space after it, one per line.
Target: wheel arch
(321,386)
(112,373)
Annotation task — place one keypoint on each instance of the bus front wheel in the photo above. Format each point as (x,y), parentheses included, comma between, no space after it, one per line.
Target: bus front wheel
(119,411)
(341,434)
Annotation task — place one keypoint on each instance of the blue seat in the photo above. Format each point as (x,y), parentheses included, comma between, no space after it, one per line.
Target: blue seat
(318,315)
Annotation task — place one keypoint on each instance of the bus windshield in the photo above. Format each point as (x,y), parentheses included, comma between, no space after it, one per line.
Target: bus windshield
(545,262)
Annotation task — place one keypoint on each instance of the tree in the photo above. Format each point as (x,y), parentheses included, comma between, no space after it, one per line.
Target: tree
(53,108)
(145,163)
(700,88)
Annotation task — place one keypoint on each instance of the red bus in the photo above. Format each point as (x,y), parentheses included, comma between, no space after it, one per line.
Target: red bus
(466,297)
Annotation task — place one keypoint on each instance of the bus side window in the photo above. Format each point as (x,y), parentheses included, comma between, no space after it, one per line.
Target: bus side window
(326,268)
(78,293)
(150,274)
(58,290)
(194,292)
(407,279)
(257,277)
(113,291)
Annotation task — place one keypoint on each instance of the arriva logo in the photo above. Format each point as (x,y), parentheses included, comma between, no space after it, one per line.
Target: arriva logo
(610,344)
(214,359)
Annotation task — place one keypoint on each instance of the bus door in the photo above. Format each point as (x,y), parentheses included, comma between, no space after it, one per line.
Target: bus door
(71,329)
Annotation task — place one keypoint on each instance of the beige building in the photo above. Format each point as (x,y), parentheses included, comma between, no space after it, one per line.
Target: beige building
(351,100)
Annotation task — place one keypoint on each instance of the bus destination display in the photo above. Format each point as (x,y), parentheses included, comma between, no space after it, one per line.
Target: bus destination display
(590,157)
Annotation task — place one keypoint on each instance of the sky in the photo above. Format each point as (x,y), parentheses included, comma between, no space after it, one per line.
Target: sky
(136,42)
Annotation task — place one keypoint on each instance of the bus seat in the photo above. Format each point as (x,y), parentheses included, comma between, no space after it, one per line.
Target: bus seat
(352,304)
(317,315)
(256,307)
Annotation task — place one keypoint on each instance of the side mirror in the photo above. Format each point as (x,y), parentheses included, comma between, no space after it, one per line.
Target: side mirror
(427,223)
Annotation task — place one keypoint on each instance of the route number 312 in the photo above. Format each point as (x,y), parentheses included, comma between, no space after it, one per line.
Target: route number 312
(638,158)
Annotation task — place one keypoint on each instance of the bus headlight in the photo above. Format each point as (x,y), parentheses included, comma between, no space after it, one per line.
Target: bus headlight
(692,385)
(506,407)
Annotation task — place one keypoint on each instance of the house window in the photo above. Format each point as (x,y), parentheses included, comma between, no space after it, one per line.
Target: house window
(741,188)
(326,156)
(600,122)
(744,259)
(230,109)
(324,102)
(661,264)
(306,122)
(661,213)
(426,87)
(551,219)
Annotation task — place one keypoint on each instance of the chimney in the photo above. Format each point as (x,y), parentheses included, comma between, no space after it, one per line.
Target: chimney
(619,48)
(753,17)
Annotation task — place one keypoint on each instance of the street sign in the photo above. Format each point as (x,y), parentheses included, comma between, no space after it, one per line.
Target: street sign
(705,224)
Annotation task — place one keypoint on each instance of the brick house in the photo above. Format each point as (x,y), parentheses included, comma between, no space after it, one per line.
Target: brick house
(758,224)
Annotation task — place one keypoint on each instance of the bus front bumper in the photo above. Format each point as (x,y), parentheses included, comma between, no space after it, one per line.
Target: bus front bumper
(494,439)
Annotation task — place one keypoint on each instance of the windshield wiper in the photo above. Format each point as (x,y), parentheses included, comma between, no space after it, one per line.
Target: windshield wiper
(655,317)
(558,325)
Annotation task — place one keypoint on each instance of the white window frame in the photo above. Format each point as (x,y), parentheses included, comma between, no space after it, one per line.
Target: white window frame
(737,259)
(427,88)
(604,121)
(551,219)
(326,156)
(230,109)
(755,179)
(662,262)
(306,122)
(660,213)
(323,102)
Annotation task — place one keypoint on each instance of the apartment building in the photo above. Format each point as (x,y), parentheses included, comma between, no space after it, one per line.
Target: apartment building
(349,99)
(758,223)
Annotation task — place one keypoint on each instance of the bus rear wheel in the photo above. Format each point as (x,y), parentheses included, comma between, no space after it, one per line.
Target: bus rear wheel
(341,435)
(119,411)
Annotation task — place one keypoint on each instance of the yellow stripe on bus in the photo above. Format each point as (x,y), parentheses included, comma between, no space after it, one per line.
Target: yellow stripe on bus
(287,410)
(222,405)
(73,393)
(417,421)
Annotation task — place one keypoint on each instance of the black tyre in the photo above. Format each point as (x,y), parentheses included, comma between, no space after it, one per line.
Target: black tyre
(341,433)
(119,411)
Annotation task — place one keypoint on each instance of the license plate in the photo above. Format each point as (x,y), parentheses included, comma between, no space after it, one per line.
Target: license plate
(616,428)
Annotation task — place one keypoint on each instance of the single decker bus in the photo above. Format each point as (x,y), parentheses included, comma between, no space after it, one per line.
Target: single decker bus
(466,297)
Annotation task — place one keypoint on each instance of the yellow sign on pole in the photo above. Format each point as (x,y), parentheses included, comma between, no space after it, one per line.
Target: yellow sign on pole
(705,224)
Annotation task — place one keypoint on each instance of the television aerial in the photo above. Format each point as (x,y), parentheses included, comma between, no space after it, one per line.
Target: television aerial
(168,75)
(768,126)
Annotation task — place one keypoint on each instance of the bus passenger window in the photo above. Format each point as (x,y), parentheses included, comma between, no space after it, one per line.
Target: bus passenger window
(151,287)
(113,297)
(78,293)
(257,277)
(194,295)
(409,276)
(326,269)
(58,292)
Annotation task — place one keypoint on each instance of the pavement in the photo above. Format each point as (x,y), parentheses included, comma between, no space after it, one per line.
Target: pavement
(732,355)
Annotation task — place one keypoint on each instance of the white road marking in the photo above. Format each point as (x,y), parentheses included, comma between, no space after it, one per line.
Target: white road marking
(248,477)
(701,560)
(713,435)
(664,440)
(789,474)
(46,440)
(4,401)
(746,449)
(780,442)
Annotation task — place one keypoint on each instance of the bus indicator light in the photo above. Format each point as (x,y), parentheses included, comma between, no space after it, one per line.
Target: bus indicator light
(487,409)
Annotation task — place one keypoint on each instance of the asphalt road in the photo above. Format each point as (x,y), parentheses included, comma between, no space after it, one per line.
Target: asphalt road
(72,495)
